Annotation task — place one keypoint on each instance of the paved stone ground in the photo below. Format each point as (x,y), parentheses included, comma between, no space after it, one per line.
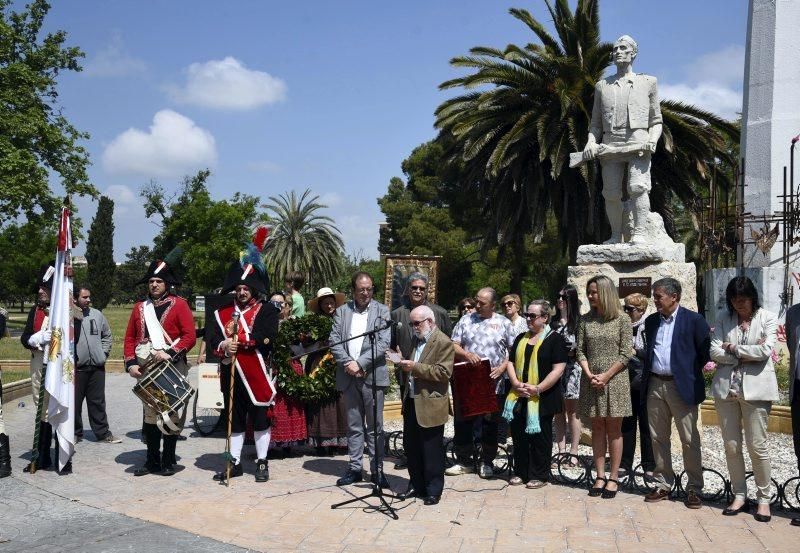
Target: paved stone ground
(292,511)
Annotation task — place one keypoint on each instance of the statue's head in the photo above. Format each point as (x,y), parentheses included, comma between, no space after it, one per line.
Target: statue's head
(624,50)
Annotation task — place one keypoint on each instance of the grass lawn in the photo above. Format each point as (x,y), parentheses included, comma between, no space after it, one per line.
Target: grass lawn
(11,348)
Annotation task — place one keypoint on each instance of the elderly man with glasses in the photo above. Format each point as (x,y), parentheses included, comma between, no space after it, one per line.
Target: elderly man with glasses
(425,376)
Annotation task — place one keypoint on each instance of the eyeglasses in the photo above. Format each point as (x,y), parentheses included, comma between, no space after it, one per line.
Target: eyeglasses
(509,303)
(629,309)
(467,307)
(532,316)
(562,297)
(415,324)
(417,288)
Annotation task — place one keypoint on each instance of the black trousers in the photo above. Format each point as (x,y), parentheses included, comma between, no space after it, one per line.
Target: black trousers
(424,449)
(796,422)
(532,452)
(90,384)
(629,435)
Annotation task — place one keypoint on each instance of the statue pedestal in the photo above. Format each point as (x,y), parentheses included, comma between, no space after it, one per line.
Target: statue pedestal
(685,273)
(654,261)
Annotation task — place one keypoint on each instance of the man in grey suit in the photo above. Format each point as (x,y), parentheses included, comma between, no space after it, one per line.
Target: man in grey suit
(792,327)
(626,115)
(354,375)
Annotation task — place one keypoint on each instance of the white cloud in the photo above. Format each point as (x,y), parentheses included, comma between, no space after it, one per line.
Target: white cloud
(724,67)
(228,84)
(713,82)
(174,145)
(331,199)
(114,61)
(124,198)
(724,101)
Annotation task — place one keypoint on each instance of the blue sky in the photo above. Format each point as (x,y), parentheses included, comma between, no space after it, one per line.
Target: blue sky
(332,96)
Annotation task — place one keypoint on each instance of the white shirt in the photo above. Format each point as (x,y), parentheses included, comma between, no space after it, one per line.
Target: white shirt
(662,348)
(358,325)
(421,343)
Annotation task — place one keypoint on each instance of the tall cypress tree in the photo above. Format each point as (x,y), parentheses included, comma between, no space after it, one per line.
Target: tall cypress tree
(100,253)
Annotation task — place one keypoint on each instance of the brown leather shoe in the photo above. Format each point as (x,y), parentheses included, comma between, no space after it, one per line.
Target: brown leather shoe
(659,494)
(693,501)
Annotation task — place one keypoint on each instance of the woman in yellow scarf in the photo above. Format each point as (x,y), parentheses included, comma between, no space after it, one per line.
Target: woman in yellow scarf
(536,362)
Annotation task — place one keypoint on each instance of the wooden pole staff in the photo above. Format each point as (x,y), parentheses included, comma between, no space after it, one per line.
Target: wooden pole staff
(235,339)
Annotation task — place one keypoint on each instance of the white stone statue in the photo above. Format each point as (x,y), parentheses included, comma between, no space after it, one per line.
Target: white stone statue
(625,128)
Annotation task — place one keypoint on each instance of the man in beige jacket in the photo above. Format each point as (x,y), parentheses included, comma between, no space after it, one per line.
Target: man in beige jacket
(426,404)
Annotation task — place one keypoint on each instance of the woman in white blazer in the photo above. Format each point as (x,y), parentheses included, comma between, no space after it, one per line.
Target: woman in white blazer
(744,388)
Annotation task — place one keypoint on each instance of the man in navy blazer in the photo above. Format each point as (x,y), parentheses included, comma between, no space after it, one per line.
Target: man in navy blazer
(792,327)
(677,343)
(355,370)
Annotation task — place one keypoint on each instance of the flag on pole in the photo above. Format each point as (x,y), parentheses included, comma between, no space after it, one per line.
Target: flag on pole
(60,355)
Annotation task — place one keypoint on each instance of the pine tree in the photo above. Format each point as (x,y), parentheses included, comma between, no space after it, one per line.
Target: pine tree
(100,254)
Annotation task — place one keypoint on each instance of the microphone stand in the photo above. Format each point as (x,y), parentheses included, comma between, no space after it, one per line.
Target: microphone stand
(385,507)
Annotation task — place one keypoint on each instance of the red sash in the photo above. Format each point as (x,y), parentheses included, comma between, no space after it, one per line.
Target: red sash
(249,362)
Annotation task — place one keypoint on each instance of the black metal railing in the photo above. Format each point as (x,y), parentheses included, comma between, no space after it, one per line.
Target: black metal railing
(576,470)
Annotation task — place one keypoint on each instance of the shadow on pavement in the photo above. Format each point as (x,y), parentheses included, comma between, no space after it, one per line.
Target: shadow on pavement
(331,467)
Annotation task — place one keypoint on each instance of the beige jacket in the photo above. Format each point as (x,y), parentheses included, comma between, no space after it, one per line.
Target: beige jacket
(431,379)
(644,108)
(758,373)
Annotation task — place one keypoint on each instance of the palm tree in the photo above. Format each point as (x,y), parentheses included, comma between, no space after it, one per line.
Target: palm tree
(533,107)
(303,240)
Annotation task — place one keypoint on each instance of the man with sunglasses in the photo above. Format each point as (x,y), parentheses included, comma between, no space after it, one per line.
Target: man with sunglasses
(425,376)
(415,295)
(483,334)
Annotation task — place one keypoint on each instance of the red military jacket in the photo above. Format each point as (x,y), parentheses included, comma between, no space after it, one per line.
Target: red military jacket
(176,318)
(257,328)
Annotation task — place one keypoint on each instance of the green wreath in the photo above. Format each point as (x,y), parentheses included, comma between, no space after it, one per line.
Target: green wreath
(320,385)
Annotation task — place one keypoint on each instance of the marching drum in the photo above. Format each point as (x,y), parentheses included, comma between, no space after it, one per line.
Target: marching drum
(166,390)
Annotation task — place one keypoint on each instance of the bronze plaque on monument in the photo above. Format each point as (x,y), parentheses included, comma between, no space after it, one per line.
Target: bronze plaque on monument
(630,285)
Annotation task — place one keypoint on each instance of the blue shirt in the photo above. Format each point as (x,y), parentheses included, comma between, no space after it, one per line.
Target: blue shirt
(662,348)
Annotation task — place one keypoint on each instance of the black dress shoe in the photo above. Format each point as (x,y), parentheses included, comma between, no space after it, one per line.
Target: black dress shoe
(146,469)
(762,518)
(728,512)
(167,470)
(410,493)
(236,470)
(431,500)
(795,522)
(67,469)
(262,470)
(350,477)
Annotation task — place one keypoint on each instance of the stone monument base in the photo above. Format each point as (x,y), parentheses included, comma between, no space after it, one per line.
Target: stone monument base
(685,273)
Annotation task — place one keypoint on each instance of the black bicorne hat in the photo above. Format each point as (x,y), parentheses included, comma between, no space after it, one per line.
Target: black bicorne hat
(160,269)
(45,278)
(249,275)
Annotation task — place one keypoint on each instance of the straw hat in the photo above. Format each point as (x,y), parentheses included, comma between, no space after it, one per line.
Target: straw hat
(313,304)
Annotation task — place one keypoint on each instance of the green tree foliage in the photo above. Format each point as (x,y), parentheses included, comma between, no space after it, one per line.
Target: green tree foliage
(100,254)
(303,240)
(127,274)
(211,233)
(35,138)
(25,248)
(420,219)
(532,108)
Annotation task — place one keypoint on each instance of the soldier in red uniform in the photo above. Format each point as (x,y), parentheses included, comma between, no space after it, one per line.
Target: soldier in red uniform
(254,389)
(161,326)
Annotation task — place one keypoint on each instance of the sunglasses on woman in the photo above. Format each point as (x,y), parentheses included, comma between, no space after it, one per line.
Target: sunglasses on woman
(509,303)
(629,309)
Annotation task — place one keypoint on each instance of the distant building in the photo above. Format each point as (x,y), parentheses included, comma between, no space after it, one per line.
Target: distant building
(79,261)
